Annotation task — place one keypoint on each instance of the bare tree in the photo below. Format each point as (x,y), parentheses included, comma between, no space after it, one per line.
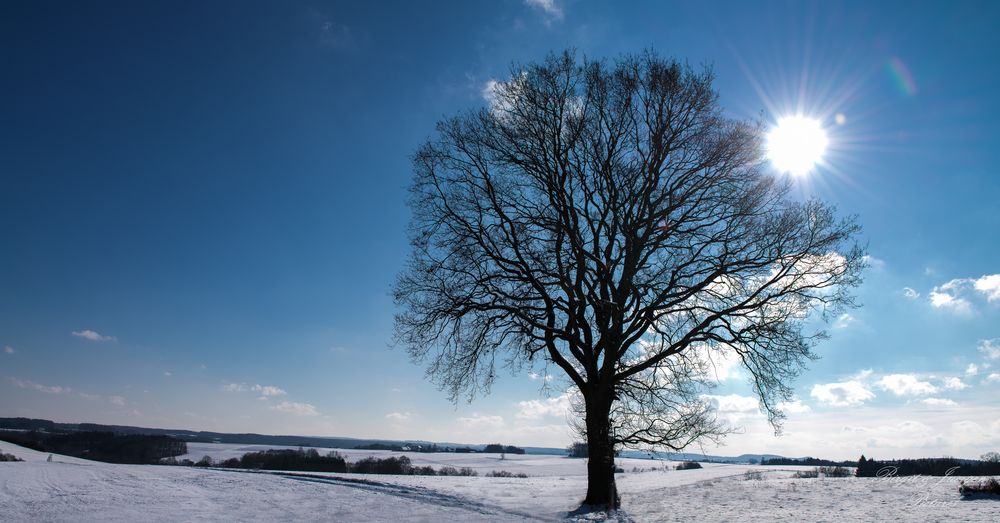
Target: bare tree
(609,220)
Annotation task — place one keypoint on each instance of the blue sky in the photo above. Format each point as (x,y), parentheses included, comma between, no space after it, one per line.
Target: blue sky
(202,208)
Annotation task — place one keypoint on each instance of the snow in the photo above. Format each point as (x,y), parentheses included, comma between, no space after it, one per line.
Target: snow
(70,489)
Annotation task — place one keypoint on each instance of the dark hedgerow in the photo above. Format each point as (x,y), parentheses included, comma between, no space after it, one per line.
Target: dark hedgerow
(9,457)
(989,487)
(688,465)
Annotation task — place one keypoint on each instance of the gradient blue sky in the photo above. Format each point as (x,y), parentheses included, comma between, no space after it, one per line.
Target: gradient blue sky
(202,208)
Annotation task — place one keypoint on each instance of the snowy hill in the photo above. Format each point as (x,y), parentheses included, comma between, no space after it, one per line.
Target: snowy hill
(70,489)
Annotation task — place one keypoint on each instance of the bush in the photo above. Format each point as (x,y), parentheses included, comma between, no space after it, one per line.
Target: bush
(452,471)
(497,448)
(989,487)
(504,474)
(836,472)
(423,471)
(9,457)
(287,459)
(753,475)
(396,465)
(830,472)
(688,465)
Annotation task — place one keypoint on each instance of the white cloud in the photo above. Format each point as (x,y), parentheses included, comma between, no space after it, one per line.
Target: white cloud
(489,90)
(794,407)
(733,407)
(88,334)
(398,416)
(292,407)
(536,409)
(481,421)
(910,293)
(8,349)
(268,390)
(873,262)
(843,321)
(990,348)
(938,402)
(972,370)
(906,385)
(990,286)
(167,373)
(549,7)
(117,400)
(954,384)
(27,384)
(842,394)
(994,377)
(234,387)
(955,294)
(724,364)
(537,376)
(944,300)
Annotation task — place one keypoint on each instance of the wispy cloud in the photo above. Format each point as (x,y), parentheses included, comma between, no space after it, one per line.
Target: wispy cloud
(267,391)
(293,407)
(543,377)
(873,262)
(990,348)
(398,416)
(88,334)
(910,293)
(481,421)
(938,402)
(28,384)
(117,400)
(167,373)
(994,377)
(234,387)
(972,369)
(8,349)
(550,8)
(844,321)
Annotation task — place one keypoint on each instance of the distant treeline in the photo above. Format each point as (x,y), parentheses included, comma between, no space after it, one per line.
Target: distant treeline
(44,425)
(812,462)
(412,447)
(101,446)
(926,467)
(495,448)
(309,460)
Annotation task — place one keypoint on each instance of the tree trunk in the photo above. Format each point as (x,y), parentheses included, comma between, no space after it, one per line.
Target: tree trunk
(601,489)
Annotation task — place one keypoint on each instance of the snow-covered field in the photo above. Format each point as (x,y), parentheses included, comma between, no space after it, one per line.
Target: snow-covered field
(70,489)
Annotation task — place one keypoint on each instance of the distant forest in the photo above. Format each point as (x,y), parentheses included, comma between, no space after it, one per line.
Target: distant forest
(310,460)
(926,467)
(43,425)
(812,462)
(101,446)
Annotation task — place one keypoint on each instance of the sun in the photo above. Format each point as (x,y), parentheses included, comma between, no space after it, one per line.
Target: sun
(796,144)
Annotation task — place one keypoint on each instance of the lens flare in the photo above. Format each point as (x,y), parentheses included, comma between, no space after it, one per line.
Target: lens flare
(796,144)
